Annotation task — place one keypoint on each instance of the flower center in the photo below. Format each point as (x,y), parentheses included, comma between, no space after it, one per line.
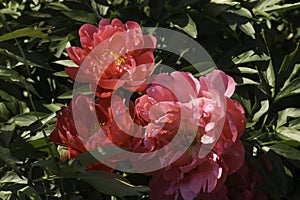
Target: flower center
(96,127)
(118,65)
(102,124)
(120,61)
(121,66)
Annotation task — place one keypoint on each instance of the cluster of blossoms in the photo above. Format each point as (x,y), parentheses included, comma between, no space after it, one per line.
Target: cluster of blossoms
(196,116)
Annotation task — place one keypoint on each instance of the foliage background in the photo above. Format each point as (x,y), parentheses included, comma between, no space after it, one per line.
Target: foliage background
(256,42)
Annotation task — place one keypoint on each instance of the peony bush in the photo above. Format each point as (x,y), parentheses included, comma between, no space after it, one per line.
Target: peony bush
(168,104)
(117,99)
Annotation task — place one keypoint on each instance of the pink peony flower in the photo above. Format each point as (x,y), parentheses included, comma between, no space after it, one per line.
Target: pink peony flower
(242,184)
(187,178)
(113,55)
(180,104)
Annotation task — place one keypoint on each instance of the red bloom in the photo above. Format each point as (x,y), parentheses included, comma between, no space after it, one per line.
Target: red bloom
(67,134)
(112,56)
(77,130)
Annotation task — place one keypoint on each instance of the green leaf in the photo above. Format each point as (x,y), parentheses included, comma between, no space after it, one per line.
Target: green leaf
(286,151)
(12,177)
(227,2)
(41,144)
(6,132)
(81,90)
(110,183)
(61,74)
(282,8)
(57,6)
(60,44)
(98,8)
(287,65)
(261,5)
(249,56)
(26,119)
(5,195)
(6,157)
(264,107)
(31,58)
(49,164)
(247,70)
(294,73)
(5,113)
(289,133)
(190,28)
(214,9)
(49,167)
(10,107)
(292,89)
(270,75)
(241,12)
(284,114)
(13,13)
(246,102)
(245,81)
(54,107)
(25,32)
(93,156)
(90,157)
(248,29)
(66,63)
(38,14)
(66,95)
(12,76)
(40,134)
(81,16)
(28,192)
(295,123)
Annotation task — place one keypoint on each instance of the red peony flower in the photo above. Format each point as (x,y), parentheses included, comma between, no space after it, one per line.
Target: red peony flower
(67,134)
(79,132)
(113,55)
